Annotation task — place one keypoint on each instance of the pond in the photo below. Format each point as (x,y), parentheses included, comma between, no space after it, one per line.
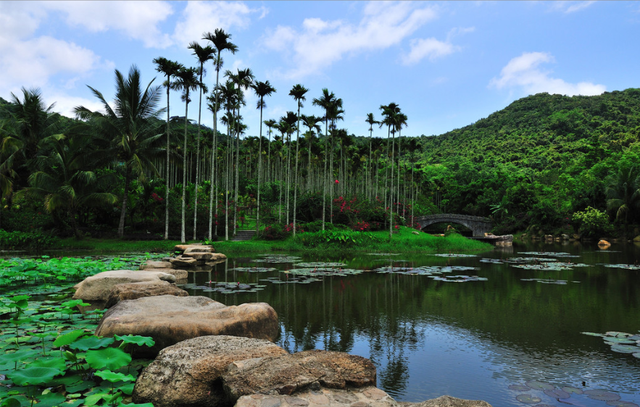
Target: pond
(504,326)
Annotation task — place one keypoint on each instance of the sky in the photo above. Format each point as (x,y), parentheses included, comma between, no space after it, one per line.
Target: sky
(446,64)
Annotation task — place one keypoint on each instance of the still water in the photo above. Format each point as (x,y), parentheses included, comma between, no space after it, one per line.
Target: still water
(514,318)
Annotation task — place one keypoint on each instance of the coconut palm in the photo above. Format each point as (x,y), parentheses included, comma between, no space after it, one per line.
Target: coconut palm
(261,89)
(65,181)
(311,122)
(297,92)
(187,81)
(220,41)
(10,149)
(125,132)
(390,113)
(203,54)
(623,192)
(169,69)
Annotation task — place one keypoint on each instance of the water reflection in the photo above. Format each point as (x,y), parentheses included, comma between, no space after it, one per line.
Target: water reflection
(469,340)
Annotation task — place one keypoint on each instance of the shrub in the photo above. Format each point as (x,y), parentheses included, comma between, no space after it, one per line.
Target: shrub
(592,222)
(26,240)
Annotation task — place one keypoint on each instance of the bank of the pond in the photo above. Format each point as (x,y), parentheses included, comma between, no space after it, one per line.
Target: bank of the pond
(404,240)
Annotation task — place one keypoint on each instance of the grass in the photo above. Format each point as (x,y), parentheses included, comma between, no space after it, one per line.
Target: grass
(403,241)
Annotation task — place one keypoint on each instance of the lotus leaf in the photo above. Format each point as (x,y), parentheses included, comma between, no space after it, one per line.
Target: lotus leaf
(11,402)
(51,400)
(602,395)
(56,362)
(536,385)
(114,377)
(90,342)
(109,358)
(136,339)
(68,338)
(528,399)
(34,375)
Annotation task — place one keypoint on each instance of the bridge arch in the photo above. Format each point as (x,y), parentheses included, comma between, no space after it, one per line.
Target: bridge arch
(478,225)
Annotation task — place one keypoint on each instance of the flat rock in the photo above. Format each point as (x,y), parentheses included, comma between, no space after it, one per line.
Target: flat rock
(290,373)
(156,264)
(185,247)
(178,273)
(98,287)
(321,397)
(188,373)
(132,291)
(182,261)
(448,401)
(169,319)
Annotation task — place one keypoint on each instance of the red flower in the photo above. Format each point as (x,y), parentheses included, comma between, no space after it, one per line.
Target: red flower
(337,182)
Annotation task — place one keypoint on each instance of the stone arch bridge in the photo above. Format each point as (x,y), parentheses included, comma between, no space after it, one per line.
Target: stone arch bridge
(478,225)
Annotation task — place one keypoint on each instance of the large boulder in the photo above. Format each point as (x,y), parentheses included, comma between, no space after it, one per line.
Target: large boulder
(188,373)
(156,264)
(98,287)
(287,374)
(179,274)
(169,319)
(358,397)
(133,291)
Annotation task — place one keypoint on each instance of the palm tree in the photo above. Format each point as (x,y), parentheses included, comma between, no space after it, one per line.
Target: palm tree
(243,78)
(371,121)
(187,81)
(325,101)
(33,121)
(271,124)
(10,148)
(623,192)
(131,136)
(297,92)
(220,41)
(65,181)
(203,54)
(311,122)
(169,69)
(390,112)
(261,89)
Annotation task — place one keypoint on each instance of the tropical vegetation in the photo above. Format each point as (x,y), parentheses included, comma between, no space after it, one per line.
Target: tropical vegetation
(128,170)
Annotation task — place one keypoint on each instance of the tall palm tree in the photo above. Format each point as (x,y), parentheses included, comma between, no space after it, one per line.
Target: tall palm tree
(10,148)
(203,54)
(220,41)
(311,122)
(132,137)
(325,102)
(390,113)
(243,78)
(187,81)
(169,69)
(261,89)
(297,92)
(335,113)
(271,124)
(370,121)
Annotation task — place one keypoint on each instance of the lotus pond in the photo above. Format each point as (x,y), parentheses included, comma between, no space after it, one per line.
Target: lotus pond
(540,325)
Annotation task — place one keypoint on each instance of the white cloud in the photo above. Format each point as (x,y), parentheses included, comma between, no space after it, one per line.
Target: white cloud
(65,104)
(568,7)
(524,72)
(137,20)
(428,48)
(320,43)
(200,17)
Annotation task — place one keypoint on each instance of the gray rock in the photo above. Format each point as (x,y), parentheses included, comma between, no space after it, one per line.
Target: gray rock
(448,401)
(188,373)
(288,374)
(322,397)
(169,319)
(98,287)
(133,291)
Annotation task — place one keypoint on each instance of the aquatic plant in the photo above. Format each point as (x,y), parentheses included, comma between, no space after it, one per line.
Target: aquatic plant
(620,342)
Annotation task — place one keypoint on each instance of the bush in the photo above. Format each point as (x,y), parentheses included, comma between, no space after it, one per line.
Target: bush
(26,240)
(592,222)
(343,238)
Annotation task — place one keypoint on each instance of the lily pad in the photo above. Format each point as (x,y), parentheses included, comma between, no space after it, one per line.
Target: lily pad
(592,334)
(623,266)
(557,394)
(320,264)
(278,259)
(537,385)
(620,403)
(572,390)
(454,255)
(636,355)
(625,348)
(602,395)
(254,269)
(519,387)
(528,399)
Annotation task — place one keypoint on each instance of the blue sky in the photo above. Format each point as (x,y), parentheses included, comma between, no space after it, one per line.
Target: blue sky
(447,64)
